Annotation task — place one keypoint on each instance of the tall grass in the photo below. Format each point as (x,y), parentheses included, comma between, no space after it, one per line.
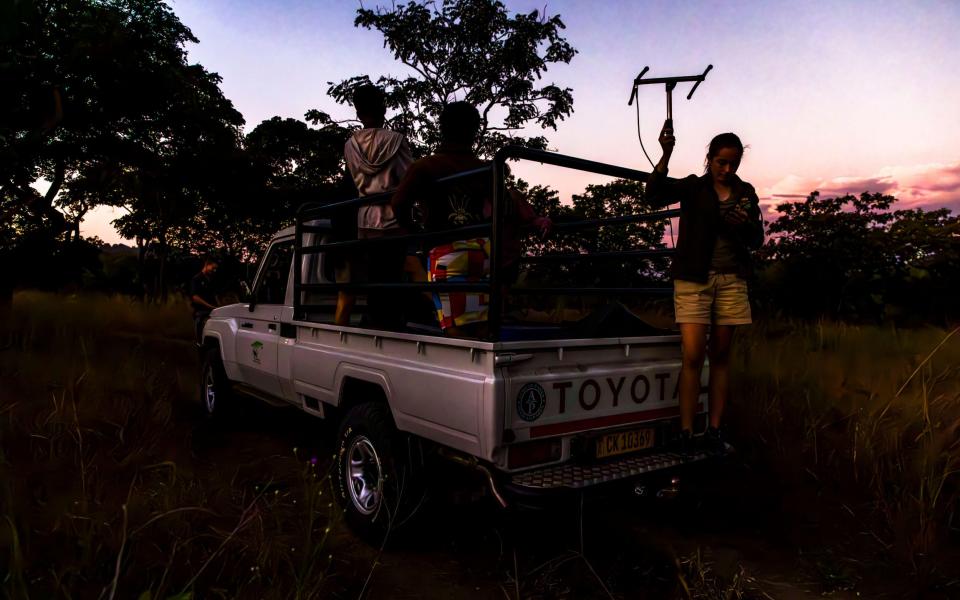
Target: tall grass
(109,488)
(870,414)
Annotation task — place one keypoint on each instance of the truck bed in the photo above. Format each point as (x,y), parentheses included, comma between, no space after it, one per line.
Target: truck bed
(474,396)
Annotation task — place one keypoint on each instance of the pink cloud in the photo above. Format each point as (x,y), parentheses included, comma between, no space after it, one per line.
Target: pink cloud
(841,186)
(926,186)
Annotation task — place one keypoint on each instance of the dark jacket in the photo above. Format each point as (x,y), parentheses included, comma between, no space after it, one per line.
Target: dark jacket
(701,221)
(202,285)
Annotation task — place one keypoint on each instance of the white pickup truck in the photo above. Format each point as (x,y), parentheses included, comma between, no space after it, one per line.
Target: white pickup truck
(534,413)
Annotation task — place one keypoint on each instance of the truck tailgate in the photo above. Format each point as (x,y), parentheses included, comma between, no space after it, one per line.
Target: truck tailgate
(561,390)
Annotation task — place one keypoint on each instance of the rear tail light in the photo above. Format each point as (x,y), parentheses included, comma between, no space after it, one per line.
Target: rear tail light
(533,453)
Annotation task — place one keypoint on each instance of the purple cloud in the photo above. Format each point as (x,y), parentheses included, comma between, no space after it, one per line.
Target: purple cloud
(914,186)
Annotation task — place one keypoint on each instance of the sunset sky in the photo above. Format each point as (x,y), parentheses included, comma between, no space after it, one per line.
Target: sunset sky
(831,96)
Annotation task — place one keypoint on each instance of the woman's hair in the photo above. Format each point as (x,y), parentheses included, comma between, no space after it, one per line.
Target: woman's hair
(718,143)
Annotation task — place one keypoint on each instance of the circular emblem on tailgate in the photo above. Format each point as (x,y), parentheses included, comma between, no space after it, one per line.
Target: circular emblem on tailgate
(531,401)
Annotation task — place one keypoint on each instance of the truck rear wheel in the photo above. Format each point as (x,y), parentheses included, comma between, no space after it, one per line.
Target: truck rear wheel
(377,486)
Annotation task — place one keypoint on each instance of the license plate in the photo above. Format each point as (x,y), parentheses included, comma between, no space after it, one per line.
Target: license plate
(622,442)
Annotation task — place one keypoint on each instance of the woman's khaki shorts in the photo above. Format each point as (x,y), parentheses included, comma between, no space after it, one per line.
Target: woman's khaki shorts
(722,300)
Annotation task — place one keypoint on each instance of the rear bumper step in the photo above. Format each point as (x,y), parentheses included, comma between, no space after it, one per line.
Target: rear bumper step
(576,476)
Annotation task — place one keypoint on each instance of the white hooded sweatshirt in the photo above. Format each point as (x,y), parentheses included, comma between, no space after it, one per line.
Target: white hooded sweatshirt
(377,159)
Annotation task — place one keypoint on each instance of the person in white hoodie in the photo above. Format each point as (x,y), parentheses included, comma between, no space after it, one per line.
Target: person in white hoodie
(377,159)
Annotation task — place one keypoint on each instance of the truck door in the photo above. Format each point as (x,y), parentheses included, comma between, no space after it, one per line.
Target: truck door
(258,334)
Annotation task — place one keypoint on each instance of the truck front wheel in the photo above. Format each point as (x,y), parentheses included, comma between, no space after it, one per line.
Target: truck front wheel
(378,488)
(214,386)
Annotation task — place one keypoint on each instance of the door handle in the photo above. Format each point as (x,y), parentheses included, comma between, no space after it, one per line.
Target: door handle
(272,326)
(246,325)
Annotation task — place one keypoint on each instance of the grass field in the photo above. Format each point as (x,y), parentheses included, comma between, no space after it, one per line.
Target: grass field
(865,414)
(112,487)
(102,492)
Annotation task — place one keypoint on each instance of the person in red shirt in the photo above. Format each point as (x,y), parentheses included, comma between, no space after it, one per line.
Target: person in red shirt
(463,202)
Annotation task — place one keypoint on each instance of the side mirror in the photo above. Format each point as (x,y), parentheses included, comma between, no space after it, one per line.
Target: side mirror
(248,295)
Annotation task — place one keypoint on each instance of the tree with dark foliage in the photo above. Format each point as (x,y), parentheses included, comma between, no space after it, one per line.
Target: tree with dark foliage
(473,51)
(854,257)
(98,99)
(615,199)
(295,164)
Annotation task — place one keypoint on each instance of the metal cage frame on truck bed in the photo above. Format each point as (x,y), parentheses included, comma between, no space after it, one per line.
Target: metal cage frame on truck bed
(494,229)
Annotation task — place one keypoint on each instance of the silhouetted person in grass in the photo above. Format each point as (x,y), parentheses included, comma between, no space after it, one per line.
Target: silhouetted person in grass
(203,297)
(720,224)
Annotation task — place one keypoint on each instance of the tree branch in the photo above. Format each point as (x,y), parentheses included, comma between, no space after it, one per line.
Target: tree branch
(59,174)
(424,73)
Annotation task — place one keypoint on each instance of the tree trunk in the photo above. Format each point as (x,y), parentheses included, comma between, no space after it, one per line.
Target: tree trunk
(163,250)
(81,213)
(73,231)
(141,267)
(59,174)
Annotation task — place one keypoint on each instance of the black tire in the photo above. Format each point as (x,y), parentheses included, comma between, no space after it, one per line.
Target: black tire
(377,485)
(216,398)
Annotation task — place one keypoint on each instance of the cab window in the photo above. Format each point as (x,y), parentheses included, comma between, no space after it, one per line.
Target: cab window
(272,285)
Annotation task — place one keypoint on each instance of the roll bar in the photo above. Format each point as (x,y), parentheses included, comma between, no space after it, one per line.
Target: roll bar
(497,172)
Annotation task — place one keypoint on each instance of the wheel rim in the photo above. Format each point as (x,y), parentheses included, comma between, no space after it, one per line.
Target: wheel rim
(209,391)
(365,475)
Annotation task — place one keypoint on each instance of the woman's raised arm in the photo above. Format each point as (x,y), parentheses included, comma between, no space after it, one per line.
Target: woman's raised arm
(661,191)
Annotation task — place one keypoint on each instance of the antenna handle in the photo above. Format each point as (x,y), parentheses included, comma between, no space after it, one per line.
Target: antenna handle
(699,81)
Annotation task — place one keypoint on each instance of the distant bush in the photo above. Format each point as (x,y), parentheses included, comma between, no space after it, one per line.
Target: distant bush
(857,259)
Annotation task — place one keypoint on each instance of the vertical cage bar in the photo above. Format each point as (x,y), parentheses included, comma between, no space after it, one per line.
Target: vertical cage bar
(297,267)
(496,232)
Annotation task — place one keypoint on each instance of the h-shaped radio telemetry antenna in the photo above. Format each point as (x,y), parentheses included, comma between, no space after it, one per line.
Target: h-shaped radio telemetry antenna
(669,83)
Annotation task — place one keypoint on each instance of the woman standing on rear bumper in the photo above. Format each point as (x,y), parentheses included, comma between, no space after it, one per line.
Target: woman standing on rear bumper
(720,224)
